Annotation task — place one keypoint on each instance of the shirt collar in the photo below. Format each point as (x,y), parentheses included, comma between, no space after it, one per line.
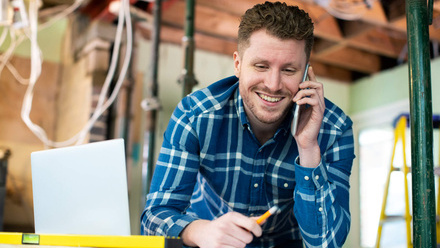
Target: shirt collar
(238,100)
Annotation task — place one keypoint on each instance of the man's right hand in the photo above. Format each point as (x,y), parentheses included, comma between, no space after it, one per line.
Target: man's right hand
(230,230)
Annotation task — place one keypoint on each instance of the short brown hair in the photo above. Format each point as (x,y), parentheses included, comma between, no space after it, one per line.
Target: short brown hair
(279,20)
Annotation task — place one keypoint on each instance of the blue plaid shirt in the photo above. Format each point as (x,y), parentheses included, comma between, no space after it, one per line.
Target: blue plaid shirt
(211,163)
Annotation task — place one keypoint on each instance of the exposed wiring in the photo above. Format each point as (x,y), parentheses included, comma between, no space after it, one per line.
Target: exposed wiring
(123,17)
(62,14)
(15,42)
(35,73)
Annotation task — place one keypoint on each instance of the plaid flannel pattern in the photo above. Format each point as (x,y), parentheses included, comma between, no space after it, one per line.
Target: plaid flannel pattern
(211,163)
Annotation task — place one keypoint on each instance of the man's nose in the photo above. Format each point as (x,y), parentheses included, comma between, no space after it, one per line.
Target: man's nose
(273,81)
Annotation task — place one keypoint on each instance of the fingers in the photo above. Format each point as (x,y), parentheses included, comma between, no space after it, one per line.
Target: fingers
(244,223)
(311,91)
(234,229)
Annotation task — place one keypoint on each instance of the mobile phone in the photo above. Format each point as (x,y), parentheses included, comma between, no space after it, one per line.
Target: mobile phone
(297,108)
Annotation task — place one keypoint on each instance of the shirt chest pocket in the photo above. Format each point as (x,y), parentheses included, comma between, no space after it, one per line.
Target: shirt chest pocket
(280,181)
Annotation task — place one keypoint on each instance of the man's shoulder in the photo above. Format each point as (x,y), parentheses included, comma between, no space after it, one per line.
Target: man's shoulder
(211,98)
(335,116)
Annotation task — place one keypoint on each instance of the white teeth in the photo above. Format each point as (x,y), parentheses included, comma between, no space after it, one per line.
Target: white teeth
(270,99)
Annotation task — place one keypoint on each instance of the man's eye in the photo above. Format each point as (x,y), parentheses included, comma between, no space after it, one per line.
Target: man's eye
(289,71)
(261,66)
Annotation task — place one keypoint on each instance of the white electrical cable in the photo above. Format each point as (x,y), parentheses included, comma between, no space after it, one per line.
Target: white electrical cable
(35,73)
(62,14)
(16,74)
(124,15)
(4,59)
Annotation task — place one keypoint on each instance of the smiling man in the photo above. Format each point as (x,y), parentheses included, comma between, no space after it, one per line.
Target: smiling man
(228,154)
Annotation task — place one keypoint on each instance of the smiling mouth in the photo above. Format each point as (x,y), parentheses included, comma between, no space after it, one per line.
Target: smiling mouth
(269,99)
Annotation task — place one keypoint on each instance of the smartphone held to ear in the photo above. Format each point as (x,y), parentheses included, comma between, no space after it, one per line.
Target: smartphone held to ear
(296,112)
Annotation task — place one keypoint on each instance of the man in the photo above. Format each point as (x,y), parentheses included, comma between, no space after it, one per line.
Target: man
(228,153)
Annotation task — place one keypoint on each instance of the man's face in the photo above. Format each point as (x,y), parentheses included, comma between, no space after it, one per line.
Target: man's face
(270,71)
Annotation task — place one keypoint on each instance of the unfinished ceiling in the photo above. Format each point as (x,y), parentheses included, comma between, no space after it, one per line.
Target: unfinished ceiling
(344,50)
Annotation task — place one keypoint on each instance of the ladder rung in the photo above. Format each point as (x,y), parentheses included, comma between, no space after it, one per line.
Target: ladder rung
(390,218)
(401,169)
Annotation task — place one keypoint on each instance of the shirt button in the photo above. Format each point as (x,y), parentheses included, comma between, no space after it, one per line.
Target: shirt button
(317,177)
(306,178)
(320,209)
(256,185)
(286,185)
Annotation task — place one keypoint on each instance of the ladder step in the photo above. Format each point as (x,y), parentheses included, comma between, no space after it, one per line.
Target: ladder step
(390,218)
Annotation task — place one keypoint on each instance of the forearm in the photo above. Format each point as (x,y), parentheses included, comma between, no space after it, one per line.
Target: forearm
(321,208)
(310,157)
(163,221)
(190,234)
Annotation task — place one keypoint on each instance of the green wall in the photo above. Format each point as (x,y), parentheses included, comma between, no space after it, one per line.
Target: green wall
(388,87)
(49,39)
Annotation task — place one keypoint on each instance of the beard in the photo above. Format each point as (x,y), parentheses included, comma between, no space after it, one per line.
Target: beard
(263,114)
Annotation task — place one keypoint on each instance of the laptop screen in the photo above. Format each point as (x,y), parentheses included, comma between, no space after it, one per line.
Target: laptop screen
(81,189)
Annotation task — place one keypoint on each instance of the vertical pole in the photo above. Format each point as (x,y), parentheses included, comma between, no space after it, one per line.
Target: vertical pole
(188,79)
(152,93)
(4,156)
(424,233)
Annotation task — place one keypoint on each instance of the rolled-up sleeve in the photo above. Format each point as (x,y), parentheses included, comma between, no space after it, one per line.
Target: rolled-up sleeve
(173,180)
(322,195)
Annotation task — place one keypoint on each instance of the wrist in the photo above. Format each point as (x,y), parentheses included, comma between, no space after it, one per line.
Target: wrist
(189,233)
(309,157)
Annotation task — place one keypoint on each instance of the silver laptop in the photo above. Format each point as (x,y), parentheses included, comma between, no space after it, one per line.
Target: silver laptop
(81,189)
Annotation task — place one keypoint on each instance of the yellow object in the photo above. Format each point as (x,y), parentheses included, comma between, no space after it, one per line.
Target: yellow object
(266,215)
(438,193)
(87,240)
(399,134)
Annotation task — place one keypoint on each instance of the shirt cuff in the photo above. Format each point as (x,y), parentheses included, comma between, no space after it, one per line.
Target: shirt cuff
(176,229)
(310,178)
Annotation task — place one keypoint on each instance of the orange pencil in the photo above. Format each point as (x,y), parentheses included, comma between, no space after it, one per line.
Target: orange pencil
(266,215)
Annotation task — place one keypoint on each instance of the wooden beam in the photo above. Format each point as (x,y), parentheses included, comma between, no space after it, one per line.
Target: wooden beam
(327,71)
(232,7)
(207,20)
(326,26)
(378,41)
(352,59)
(174,35)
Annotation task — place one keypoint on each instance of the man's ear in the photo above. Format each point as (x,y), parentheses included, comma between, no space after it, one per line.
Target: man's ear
(237,64)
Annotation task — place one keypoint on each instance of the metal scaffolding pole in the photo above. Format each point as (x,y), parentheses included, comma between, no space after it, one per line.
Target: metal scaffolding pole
(151,94)
(188,79)
(424,226)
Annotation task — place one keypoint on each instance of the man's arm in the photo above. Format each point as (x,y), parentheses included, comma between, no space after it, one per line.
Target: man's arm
(174,178)
(322,191)
(322,196)
(172,186)
(230,230)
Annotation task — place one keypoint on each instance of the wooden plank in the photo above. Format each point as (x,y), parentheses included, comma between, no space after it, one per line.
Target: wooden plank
(326,26)
(352,59)
(322,46)
(174,35)
(233,7)
(207,20)
(378,41)
(327,71)
(400,25)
